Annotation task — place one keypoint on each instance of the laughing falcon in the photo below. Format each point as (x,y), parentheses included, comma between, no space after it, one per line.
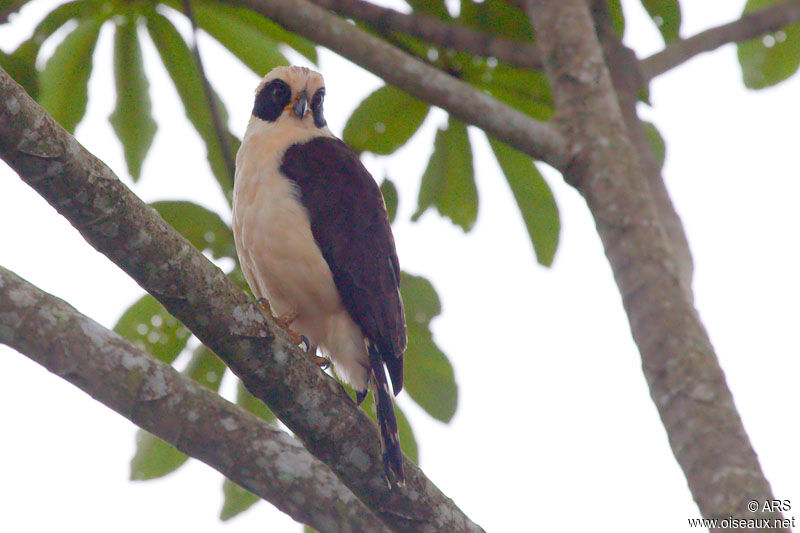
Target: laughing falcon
(314,241)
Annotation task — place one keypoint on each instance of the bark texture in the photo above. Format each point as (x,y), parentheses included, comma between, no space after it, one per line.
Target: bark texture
(119,225)
(681,368)
(154,396)
(628,81)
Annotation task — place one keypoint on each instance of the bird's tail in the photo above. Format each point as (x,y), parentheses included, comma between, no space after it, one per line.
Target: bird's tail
(390,439)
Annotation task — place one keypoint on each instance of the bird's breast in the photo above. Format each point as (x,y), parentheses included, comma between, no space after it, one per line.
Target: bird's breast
(277,251)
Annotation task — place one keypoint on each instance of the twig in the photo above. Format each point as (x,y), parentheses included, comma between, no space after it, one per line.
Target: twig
(449,35)
(156,397)
(749,26)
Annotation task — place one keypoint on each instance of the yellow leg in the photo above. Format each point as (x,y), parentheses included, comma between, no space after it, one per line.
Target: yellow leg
(285,321)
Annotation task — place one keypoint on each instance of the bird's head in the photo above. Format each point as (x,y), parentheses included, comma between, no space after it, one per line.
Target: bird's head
(291,94)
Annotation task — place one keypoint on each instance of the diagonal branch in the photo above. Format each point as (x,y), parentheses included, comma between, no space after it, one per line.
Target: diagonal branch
(627,81)
(154,396)
(541,140)
(682,371)
(448,35)
(749,26)
(118,224)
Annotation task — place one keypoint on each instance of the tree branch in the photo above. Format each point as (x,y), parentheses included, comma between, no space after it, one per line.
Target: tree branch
(154,396)
(681,368)
(540,140)
(750,26)
(627,80)
(311,403)
(448,35)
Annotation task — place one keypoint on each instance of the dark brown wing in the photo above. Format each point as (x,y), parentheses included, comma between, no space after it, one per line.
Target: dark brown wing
(350,226)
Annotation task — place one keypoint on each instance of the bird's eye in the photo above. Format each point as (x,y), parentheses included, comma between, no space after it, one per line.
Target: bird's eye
(271,100)
(316,101)
(280,92)
(316,107)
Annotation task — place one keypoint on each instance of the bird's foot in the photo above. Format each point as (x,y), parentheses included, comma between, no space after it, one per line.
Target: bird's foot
(284,321)
(311,352)
(322,362)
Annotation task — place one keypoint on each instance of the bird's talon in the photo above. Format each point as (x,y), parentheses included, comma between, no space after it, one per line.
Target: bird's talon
(322,362)
(284,321)
(263,303)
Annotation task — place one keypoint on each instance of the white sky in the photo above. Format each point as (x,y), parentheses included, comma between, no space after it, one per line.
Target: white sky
(555,426)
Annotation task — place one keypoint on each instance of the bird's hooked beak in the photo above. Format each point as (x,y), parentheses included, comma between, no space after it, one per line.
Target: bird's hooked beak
(300,105)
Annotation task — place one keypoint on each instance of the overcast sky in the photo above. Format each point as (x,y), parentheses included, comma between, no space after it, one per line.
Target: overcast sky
(555,427)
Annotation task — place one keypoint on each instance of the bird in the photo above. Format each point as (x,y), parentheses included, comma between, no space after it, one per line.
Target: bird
(315,244)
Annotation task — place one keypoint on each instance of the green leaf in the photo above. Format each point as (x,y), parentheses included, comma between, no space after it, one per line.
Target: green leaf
(156,458)
(149,326)
(448,182)
(429,377)
(22,70)
(250,403)
(205,368)
(534,199)
(526,90)
(237,500)
(656,142)
(389,192)
(434,8)
(203,228)
(420,299)
(180,65)
(266,27)
(408,442)
(80,9)
(617,17)
(772,58)
(384,121)
(497,17)
(131,118)
(237,276)
(666,15)
(63,84)
(253,48)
